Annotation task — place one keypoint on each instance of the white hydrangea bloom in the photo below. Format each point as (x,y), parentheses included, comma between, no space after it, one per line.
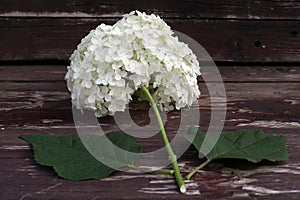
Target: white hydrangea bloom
(112,62)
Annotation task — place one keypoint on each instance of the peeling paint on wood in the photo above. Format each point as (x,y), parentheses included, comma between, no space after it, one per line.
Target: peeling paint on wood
(60,15)
(14,147)
(229,9)
(292,101)
(262,191)
(293,169)
(42,191)
(272,124)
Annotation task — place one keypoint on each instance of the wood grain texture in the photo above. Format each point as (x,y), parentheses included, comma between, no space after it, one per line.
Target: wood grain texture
(34,100)
(259,92)
(17,74)
(230,40)
(231,9)
(223,180)
(249,37)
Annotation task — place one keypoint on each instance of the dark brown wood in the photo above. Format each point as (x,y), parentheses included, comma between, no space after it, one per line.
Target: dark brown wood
(222,181)
(261,97)
(38,73)
(258,41)
(225,40)
(253,92)
(230,9)
(44,74)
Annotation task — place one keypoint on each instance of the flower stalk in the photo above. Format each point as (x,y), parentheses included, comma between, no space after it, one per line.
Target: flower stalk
(172,156)
(192,173)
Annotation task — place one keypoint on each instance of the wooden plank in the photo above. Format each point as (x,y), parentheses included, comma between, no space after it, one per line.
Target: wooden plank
(241,91)
(32,73)
(225,180)
(11,146)
(278,102)
(230,9)
(45,77)
(270,112)
(51,85)
(253,74)
(263,93)
(229,40)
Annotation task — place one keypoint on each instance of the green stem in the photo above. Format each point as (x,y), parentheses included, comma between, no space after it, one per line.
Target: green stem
(189,176)
(172,156)
(152,172)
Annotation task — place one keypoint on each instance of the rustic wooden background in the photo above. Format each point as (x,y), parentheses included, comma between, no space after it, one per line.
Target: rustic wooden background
(254,43)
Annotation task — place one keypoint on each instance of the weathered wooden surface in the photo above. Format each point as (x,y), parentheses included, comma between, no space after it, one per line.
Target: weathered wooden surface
(256,42)
(34,100)
(238,31)
(230,9)
(224,40)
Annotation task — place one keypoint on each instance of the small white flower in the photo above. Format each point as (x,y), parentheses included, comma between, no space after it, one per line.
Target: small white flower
(112,62)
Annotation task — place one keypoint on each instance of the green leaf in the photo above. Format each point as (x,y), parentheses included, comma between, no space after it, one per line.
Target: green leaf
(252,145)
(71,158)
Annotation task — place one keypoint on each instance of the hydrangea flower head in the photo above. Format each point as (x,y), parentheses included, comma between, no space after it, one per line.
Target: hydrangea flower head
(112,62)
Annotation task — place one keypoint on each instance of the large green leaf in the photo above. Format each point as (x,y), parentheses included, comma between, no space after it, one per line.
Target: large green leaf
(252,145)
(71,157)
